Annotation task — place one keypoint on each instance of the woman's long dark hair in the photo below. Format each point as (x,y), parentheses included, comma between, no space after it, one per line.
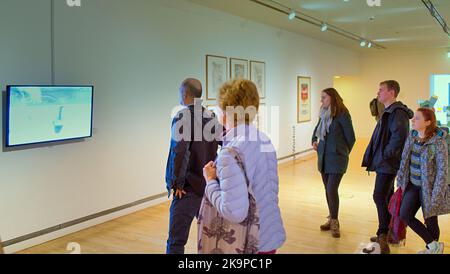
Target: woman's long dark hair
(337,104)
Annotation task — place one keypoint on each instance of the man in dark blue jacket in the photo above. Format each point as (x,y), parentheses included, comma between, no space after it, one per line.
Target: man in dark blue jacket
(383,155)
(194,143)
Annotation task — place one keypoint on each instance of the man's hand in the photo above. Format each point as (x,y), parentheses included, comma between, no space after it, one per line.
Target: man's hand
(179,193)
(315,145)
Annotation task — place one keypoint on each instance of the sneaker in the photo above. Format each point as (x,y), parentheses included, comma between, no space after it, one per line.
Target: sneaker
(425,251)
(433,248)
(441,248)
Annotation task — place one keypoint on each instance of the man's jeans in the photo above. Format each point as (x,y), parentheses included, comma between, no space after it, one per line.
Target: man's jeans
(384,189)
(182,212)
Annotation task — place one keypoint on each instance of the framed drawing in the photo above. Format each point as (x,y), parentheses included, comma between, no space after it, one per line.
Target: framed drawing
(303,99)
(258,76)
(216,75)
(238,68)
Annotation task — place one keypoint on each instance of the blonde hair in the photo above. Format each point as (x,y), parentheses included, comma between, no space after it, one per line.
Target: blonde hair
(239,99)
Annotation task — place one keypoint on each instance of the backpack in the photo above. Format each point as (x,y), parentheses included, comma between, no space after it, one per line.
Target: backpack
(376,108)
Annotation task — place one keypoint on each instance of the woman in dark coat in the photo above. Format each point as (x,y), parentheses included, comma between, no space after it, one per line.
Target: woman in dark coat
(333,139)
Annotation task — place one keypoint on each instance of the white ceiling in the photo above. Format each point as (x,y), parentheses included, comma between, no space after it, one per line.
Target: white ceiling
(398,24)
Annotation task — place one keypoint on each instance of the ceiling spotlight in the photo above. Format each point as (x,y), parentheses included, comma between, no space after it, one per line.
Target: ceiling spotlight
(292,15)
(369,45)
(363,43)
(324,27)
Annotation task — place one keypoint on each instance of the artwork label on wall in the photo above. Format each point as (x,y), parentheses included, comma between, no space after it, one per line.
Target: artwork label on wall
(303,99)
(216,75)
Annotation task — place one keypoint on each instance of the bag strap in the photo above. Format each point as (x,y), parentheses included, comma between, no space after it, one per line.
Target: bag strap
(238,158)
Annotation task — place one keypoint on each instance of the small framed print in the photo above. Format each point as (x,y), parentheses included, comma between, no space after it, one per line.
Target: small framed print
(216,75)
(238,68)
(258,76)
(303,99)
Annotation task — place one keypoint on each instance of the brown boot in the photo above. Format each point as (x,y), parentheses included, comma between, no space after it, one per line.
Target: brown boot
(326,226)
(334,227)
(384,245)
(374,239)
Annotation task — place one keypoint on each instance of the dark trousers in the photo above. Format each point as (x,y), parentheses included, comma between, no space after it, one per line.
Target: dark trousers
(411,202)
(182,213)
(384,188)
(331,183)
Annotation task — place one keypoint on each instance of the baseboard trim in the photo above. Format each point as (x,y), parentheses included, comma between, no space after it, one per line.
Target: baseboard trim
(48,234)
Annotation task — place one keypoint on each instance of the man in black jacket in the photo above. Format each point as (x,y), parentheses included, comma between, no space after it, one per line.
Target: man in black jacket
(195,139)
(383,155)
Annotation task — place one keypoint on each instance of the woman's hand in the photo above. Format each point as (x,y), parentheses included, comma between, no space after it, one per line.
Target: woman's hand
(315,145)
(210,172)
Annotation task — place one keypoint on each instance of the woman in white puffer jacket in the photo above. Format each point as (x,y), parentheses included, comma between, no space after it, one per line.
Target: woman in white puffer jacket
(230,197)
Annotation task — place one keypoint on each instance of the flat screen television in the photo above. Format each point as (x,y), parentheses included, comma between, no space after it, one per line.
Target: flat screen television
(41,114)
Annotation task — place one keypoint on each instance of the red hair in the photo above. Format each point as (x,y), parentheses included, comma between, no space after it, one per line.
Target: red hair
(432,129)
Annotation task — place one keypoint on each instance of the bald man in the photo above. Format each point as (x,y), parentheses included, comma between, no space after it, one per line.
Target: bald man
(189,152)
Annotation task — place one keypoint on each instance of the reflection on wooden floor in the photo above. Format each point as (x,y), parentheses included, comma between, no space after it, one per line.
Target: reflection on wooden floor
(303,206)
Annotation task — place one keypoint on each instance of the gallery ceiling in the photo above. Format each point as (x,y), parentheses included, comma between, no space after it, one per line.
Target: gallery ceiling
(396,24)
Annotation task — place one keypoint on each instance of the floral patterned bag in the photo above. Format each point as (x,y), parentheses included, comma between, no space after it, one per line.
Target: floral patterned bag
(216,235)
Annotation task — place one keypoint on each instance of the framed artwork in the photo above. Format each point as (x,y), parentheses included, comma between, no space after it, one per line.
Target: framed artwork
(303,99)
(216,75)
(258,76)
(238,68)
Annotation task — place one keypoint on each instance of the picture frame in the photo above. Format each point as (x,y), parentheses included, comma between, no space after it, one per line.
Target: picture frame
(303,99)
(238,68)
(216,75)
(258,76)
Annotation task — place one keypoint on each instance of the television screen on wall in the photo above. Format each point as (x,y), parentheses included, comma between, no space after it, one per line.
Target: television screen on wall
(41,114)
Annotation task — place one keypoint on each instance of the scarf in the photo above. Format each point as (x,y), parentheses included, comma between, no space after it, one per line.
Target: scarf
(324,124)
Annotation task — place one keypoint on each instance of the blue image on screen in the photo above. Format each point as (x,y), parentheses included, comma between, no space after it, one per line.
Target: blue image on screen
(39,114)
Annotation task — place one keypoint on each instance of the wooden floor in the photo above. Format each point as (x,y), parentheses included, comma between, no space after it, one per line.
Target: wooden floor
(303,207)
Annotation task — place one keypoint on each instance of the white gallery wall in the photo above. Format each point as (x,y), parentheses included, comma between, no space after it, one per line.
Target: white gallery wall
(411,68)
(135,53)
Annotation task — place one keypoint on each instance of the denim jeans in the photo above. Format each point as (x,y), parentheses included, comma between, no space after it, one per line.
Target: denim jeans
(411,202)
(182,213)
(384,188)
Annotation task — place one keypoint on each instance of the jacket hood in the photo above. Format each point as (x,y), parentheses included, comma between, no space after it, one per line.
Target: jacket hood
(441,134)
(399,105)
